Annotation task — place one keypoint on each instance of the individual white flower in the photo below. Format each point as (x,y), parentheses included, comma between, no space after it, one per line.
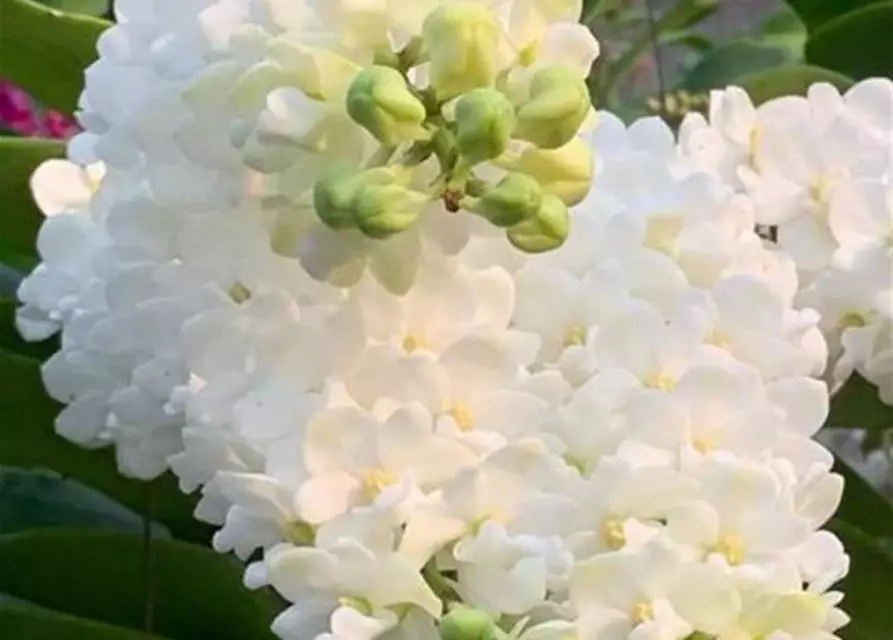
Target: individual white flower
(650,594)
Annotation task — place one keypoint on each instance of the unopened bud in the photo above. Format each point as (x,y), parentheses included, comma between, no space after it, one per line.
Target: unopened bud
(380,101)
(464,623)
(565,172)
(558,104)
(385,210)
(335,194)
(516,198)
(545,231)
(461,39)
(484,122)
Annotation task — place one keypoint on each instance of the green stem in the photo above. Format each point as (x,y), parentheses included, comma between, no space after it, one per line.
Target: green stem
(438,583)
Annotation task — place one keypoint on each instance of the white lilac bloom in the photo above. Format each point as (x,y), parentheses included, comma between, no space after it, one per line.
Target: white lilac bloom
(387,388)
(819,172)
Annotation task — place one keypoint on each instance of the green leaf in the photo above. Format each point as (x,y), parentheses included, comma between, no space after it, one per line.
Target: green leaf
(784,29)
(20,622)
(862,505)
(868,588)
(10,340)
(687,13)
(856,44)
(693,41)
(790,80)
(88,7)
(815,13)
(100,575)
(726,64)
(45,51)
(857,405)
(27,439)
(40,499)
(20,218)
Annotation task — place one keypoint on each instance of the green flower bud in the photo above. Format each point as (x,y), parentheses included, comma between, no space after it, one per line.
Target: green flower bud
(464,623)
(547,230)
(556,108)
(385,210)
(333,198)
(380,101)
(565,172)
(516,198)
(335,194)
(461,39)
(484,122)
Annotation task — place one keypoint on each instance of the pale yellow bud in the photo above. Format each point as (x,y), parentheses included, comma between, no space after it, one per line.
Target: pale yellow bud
(565,172)
(461,39)
(556,108)
(546,231)
(385,210)
(380,101)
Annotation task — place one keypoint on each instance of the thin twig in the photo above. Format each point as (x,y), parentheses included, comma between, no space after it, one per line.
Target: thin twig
(655,48)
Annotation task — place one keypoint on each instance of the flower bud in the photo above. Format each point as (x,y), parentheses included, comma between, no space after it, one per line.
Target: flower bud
(380,101)
(335,194)
(333,198)
(516,198)
(484,122)
(565,172)
(545,231)
(384,210)
(556,108)
(464,623)
(461,39)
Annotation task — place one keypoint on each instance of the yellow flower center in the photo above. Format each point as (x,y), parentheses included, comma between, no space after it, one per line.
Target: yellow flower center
(642,612)
(851,319)
(462,415)
(703,444)
(413,342)
(660,380)
(613,533)
(754,141)
(729,546)
(299,533)
(375,481)
(575,336)
(527,55)
(719,339)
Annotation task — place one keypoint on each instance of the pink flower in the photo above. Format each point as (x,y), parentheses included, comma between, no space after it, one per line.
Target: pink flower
(21,115)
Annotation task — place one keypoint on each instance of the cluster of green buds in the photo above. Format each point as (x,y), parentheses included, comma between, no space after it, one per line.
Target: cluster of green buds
(470,113)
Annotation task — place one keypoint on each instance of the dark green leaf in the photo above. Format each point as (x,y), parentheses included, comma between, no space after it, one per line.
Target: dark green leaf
(815,13)
(27,439)
(98,574)
(20,218)
(790,80)
(868,587)
(11,341)
(728,63)
(863,506)
(39,499)
(693,41)
(45,51)
(857,405)
(857,44)
(88,7)
(25,622)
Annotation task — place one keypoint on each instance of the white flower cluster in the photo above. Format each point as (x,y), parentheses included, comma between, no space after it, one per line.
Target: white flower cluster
(819,171)
(434,431)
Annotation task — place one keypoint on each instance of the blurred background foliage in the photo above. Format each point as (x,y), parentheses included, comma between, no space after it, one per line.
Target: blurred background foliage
(86,554)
